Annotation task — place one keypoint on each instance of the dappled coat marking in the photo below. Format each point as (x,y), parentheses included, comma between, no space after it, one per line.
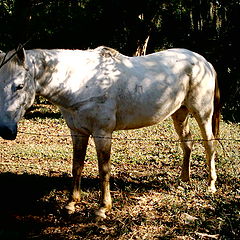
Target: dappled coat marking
(99,91)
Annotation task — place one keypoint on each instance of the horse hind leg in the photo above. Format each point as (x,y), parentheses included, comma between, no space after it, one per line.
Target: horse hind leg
(203,114)
(180,120)
(205,124)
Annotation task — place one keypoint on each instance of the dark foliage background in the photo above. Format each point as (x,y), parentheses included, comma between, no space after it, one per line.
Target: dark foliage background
(209,27)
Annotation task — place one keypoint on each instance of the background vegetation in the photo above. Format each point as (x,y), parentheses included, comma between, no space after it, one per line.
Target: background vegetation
(210,27)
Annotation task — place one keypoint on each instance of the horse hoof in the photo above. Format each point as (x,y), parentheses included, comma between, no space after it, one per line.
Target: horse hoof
(212,189)
(185,178)
(100,214)
(70,208)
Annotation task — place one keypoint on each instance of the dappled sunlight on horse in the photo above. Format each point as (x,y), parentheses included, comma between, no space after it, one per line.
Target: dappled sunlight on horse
(99,91)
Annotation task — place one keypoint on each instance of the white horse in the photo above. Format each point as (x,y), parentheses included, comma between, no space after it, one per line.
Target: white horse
(99,91)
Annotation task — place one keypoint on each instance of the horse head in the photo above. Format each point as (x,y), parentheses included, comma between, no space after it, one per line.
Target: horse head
(17,91)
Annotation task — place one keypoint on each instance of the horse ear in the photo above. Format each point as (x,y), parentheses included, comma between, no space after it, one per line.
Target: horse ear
(21,55)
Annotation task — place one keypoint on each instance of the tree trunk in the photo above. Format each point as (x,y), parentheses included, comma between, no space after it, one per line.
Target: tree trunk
(142,47)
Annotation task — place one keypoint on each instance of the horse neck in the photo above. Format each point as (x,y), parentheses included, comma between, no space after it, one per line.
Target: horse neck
(44,63)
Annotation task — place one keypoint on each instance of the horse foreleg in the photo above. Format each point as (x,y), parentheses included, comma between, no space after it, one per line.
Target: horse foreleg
(180,120)
(80,143)
(103,147)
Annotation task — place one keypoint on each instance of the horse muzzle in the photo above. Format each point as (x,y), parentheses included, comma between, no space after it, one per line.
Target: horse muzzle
(8,132)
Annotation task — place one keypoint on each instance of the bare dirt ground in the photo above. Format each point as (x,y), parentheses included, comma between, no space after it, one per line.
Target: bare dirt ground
(149,200)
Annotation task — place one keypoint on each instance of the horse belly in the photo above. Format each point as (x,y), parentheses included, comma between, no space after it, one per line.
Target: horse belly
(134,116)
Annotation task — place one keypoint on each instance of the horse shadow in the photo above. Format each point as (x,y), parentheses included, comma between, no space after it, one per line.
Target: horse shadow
(22,199)
(25,211)
(21,192)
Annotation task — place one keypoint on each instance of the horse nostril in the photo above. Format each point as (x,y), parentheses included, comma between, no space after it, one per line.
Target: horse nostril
(8,132)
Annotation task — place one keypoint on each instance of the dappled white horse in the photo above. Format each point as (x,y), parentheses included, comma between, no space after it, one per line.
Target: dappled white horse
(99,91)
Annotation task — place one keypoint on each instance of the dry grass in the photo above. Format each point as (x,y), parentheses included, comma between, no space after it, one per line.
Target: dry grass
(149,201)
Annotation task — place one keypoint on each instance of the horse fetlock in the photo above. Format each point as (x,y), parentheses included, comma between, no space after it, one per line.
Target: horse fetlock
(76,196)
(211,187)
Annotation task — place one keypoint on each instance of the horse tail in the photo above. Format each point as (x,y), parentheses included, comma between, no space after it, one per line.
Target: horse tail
(216,111)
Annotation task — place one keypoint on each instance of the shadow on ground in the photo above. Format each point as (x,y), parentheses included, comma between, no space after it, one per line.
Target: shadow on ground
(32,203)
(23,196)
(32,207)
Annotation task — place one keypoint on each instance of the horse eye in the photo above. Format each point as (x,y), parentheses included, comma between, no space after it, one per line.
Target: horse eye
(19,87)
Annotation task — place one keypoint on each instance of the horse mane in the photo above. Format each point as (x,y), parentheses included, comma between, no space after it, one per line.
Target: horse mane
(107,52)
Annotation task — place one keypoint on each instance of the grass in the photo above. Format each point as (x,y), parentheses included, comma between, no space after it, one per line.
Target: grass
(149,200)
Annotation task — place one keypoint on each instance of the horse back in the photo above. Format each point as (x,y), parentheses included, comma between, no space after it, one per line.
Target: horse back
(153,87)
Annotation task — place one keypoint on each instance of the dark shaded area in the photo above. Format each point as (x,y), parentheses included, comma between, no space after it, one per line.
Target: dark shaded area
(33,203)
(39,114)
(42,112)
(22,198)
